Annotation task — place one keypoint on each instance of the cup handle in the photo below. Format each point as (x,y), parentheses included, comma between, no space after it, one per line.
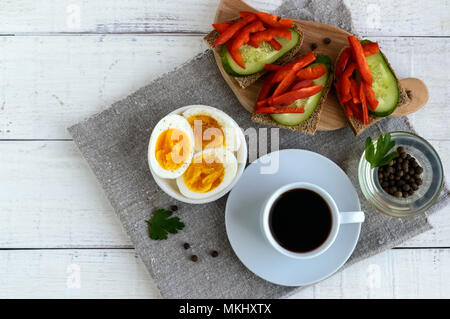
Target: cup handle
(351,217)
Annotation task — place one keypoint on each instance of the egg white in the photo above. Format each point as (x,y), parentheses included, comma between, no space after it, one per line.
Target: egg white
(230,164)
(227,124)
(171,121)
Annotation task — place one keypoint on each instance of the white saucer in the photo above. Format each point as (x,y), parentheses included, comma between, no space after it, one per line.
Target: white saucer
(243,208)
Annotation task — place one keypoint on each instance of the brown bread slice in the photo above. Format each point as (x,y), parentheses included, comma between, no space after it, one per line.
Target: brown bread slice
(246,81)
(310,125)
(357,126)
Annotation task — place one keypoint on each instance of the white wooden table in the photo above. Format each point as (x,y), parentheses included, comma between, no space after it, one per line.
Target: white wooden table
(61,61)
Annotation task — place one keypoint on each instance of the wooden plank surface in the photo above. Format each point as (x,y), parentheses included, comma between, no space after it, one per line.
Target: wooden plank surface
(51,82)
(398,273)
(381,18)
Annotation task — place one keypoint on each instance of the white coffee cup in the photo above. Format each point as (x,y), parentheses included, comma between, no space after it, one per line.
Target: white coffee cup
(337,218)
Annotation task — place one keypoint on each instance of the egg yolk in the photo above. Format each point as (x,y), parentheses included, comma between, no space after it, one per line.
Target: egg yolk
(207,132)
(172,149)
(204,176)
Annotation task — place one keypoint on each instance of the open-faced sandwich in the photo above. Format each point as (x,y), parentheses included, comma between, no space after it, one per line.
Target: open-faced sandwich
(249,43)
(367,87)
(293,94)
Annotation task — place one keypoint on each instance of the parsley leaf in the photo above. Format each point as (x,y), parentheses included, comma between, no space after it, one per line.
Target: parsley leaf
(160,224)
(380,156)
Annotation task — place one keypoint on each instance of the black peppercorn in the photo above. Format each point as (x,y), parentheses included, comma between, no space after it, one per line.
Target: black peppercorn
(327,40)
(194,258)
(214,253)
(313,46)
(186,246)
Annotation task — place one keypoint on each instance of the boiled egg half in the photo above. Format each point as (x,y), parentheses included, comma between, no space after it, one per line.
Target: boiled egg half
(211,171)
(171,146)
(212,128)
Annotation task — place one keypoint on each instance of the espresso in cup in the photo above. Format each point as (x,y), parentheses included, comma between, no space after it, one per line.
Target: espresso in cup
(300,220)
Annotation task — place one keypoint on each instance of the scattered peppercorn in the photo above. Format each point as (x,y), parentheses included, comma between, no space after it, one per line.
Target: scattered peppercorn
(313,46)
(186,246)
(402,176)
(194,258)
(327,40)
(174,208)
(214,253)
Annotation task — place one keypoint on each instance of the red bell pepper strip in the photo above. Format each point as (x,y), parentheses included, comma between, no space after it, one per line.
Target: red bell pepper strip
(295,65)
(302,84)
(275,44)
(285,84)
(268,35)
(345,83)
(360,59)
(365,110)
(233,29)
(290,97)
(275,110)
(265,90)
(244,14)
(221,27)
(312,73)
(356,110)
(370,48)
(343,61)
(354,91)
(272,67)
(370,96)
(242,38)
(274,21)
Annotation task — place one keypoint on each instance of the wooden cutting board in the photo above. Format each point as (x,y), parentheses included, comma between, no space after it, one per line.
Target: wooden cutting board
(332,116)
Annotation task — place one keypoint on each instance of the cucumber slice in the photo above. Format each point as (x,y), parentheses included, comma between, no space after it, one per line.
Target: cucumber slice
(256,58)
(384,85)
(310,104)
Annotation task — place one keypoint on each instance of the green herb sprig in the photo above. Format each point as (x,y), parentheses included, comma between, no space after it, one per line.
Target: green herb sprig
(380,156)
(160,224)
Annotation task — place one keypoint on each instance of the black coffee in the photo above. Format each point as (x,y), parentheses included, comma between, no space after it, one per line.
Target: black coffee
(300,220)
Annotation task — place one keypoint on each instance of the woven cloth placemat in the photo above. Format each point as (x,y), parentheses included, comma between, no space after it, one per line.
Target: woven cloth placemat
(114,143)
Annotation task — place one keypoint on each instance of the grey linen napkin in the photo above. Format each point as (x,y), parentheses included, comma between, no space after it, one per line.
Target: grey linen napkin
(114,143)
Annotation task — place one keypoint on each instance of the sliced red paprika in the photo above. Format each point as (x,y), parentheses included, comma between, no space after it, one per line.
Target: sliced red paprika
(343,61)
(286,83)
(275,44)
(290,97)
(354,91)
(312,73)
(365,110)
(268,35)
(370,48)
(275,110)
(267,86)
(360,59)
(345,83)
(272,67)
(233,29)
(372,101)
(356,109)
(242,38)
(348,110)
(302,84)
(274,21)
(221,27)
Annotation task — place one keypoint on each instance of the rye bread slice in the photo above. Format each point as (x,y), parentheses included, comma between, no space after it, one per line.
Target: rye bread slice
(404,98)
(245,81)
(310,125)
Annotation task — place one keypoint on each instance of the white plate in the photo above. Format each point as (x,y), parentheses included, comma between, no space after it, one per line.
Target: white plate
(242,217)
(169,186)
